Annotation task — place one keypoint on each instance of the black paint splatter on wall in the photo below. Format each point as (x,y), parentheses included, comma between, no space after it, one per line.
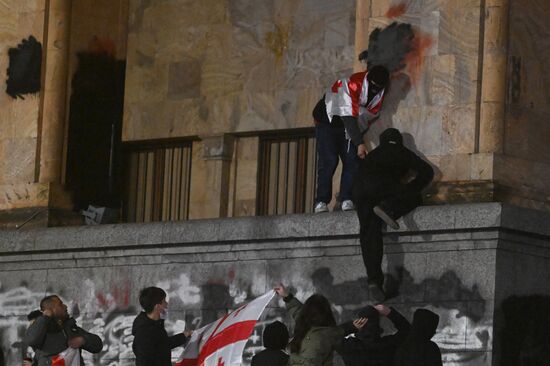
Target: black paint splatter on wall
(24,68)
(390,46)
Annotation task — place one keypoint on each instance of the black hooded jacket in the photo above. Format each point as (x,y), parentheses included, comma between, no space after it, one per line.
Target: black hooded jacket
(418,349)
(390,162)
(152,345)
(368,348)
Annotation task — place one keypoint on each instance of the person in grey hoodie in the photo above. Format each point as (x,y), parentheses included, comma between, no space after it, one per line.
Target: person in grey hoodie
(54,331)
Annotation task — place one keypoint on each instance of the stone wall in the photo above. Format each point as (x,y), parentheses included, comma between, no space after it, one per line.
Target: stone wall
(461,261)
(210,67)
(524,168)
(18,119)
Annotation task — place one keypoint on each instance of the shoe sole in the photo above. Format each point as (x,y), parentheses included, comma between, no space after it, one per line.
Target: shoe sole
(320,211)
(384,216)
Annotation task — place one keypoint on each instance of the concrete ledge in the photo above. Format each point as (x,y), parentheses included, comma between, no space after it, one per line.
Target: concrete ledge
(427,220)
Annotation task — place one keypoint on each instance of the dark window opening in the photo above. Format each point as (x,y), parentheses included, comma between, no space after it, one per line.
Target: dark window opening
(287,173)
(157,182)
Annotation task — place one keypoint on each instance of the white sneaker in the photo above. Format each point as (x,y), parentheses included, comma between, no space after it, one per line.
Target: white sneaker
(347,205)
(320,207)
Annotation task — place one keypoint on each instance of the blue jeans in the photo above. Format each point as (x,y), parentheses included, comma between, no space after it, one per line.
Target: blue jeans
(331,145)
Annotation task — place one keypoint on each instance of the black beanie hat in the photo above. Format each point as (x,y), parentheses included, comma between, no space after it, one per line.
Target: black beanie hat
(275,335)
(391,136)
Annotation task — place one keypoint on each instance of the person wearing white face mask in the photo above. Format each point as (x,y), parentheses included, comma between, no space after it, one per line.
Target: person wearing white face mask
(152,345)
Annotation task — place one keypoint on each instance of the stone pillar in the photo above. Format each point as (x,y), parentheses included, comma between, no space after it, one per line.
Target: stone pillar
(210,174)
(493,79)
(51,124)
(362,15)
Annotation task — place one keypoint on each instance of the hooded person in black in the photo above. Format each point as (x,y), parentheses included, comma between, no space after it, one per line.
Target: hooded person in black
(368,347)
(381,195)
(275,337)
(418,349)
(152,345)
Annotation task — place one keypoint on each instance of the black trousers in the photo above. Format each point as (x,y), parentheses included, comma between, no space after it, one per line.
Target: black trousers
(397,200)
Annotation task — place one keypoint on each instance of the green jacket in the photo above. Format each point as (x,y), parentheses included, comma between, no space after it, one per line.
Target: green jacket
(320,342)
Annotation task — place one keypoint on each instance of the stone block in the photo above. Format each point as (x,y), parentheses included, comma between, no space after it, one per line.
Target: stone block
(443,74)
(459,28)
(187,232)
(459,129)
(19,167)
(184,79)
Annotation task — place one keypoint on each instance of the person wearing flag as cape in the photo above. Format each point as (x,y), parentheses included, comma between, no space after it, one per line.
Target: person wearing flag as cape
(342,116)
(54,332)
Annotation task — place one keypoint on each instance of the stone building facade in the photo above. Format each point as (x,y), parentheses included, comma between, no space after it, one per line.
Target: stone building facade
(204,109)
(219,75)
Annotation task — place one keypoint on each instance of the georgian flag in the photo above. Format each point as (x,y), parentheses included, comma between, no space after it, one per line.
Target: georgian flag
(222,342)
(348,97)
(69,357)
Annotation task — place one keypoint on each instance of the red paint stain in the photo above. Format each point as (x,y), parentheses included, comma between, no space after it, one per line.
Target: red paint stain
(102,300)
(119,297)
(98,45)
(421,44)
(231,274)
(396,11)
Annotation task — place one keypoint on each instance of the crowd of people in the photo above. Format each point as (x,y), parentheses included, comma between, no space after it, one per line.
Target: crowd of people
(359,341)
(315,338)
(377,184)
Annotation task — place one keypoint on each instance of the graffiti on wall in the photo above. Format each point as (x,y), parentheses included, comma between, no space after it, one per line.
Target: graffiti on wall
(464,333)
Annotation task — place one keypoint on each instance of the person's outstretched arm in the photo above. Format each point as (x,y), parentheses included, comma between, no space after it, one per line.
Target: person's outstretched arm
(399,321)
(293,305)
(177,340)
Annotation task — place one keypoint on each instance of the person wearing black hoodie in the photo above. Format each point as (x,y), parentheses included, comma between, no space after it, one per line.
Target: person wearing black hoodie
(381,195)
(418,349)
(275,337)
(152,345)
(368,347)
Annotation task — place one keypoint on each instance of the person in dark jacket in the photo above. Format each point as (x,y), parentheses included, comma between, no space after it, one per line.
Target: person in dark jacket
(54,331)
(380,195)
(28,359)
(275,339)
(152,345)
(368,347)
(418,349)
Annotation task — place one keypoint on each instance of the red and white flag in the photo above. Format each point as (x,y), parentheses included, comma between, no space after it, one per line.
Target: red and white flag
(69,357)
(222,342)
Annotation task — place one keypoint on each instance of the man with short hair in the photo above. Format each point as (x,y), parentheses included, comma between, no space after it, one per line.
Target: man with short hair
(54,331)
(152,345)
(339,130)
